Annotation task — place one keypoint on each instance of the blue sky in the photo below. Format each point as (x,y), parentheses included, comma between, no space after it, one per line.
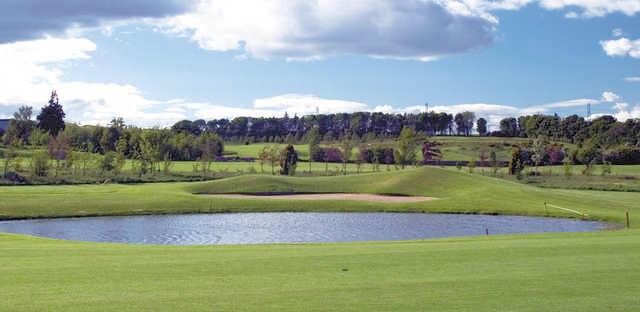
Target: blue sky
(156,70)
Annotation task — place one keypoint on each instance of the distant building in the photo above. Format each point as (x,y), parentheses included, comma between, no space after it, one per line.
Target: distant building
(4,124)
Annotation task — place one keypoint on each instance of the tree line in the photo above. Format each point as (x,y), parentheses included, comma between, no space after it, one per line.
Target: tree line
(334,127)
(601,140)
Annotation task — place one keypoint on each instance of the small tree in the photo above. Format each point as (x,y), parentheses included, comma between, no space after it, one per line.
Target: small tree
(58,149)
(9,155)
(264,156)
(481,126)
(209,148)
(288,160)
(40,163)
(107,162)
(606,168)
(121,149)
(567,166)
(315,151)
(538,153)
(493,160)
(471,165)
(407,145)
(346,148)
(274,157)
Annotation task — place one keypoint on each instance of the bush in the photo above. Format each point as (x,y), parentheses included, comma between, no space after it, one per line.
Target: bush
(623,155)
(107,162)
(40,163)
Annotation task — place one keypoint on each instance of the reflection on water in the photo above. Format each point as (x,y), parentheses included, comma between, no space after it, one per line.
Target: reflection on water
(256,228)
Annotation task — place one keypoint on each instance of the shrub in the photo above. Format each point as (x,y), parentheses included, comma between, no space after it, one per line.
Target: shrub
(40,163)
(107,162)
(623,155)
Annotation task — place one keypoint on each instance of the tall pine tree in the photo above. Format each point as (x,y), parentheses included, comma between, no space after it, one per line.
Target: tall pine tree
(51,118)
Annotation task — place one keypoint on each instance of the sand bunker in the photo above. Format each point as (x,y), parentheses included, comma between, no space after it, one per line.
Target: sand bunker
(331,196)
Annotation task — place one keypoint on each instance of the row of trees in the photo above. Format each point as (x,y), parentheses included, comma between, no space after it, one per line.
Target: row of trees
(602,140)
(333,127)
(132,142)
(604,130)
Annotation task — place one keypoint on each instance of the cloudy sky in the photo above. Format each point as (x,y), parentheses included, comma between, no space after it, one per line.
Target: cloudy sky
(154,62)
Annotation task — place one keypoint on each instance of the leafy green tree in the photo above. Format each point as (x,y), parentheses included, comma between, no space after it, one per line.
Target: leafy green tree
(40,163)
(59,148)
(315,151)
(209,149)
(346,149)
(481,126)
(121,149)
(51,117)
(288,160)
(107,162)
(407,145)
(264,156)
(9,155)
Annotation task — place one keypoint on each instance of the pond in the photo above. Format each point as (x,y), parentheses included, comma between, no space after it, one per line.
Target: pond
(259,228)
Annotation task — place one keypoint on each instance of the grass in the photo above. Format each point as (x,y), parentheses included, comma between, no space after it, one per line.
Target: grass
(547,272)
(551,272)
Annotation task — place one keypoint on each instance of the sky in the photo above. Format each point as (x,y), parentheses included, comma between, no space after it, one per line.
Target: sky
(155,62)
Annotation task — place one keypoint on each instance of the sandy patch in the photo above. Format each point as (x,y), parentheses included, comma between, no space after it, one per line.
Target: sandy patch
(331,196)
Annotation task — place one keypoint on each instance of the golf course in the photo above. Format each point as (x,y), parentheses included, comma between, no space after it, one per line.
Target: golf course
(593,271)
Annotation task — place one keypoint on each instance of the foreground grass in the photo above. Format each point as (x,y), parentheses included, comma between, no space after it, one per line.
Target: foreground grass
(551,272)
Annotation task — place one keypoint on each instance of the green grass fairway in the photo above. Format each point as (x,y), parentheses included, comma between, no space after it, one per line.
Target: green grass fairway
(548,272)
(552,272)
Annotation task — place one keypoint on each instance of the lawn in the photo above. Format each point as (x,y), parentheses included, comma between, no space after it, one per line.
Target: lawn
(551,272)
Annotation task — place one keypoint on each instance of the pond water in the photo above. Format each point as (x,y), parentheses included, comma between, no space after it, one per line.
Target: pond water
(258,228)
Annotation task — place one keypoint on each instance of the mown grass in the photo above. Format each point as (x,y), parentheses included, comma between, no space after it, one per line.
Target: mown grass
(551,272)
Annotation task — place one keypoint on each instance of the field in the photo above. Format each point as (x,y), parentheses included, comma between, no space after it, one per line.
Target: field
(547,272)
(553,272)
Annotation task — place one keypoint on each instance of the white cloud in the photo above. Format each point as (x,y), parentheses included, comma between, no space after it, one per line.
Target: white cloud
(312,30)
(623,112)
(621,47)
(36,68)
(307,104)
(617,33)
(632,79)
(594,8)
(609,96)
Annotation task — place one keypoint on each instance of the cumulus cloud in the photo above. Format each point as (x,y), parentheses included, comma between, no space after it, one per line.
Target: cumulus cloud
(309,30)
(632,79)
(621,47)
(36,68)
(33,19)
